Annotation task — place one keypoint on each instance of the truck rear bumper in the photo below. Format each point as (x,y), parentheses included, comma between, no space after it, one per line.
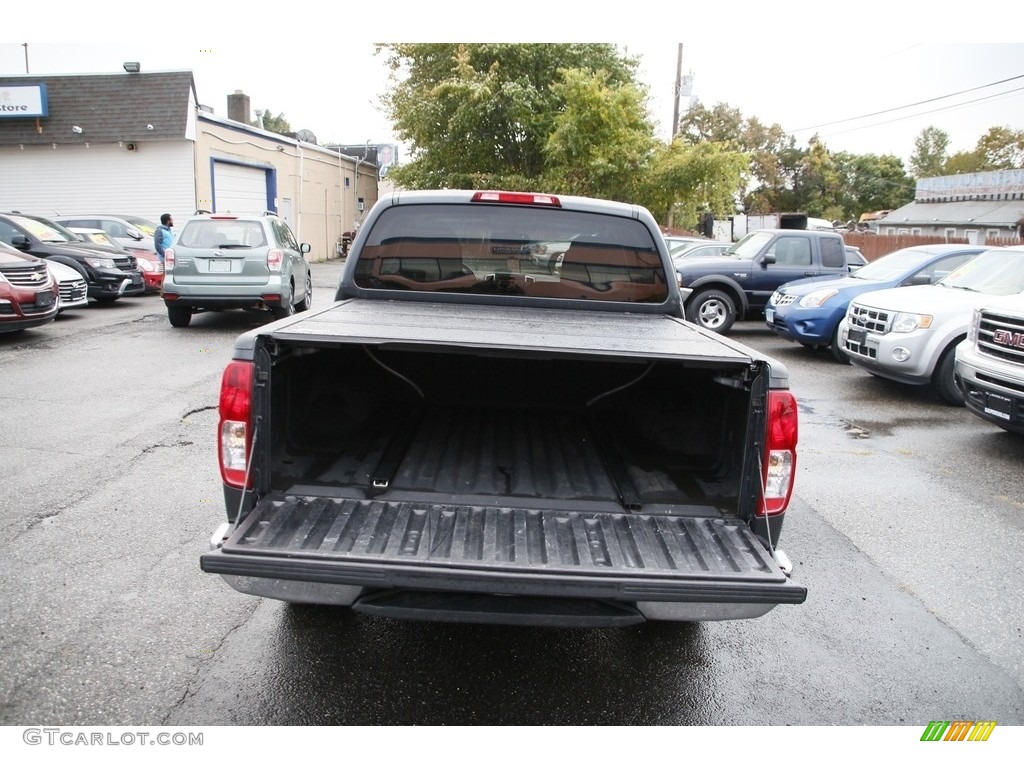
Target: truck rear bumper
(349,551)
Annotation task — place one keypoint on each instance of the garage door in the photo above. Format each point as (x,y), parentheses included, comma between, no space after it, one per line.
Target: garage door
(240,189)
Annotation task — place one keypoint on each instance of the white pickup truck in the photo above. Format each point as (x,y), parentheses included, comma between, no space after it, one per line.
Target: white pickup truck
(990,363)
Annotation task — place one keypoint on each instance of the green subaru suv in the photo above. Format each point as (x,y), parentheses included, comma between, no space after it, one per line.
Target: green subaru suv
(235,262)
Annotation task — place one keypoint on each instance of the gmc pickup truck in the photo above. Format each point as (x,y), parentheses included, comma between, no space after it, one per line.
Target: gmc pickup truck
(989,363)
(739,283)
(504,418)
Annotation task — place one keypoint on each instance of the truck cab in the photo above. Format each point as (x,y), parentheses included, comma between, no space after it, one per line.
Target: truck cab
(739,283)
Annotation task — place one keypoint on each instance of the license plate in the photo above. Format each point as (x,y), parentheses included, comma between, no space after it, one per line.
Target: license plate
(856,335)
(220,265)
(998,406)
(44,299)
(769,315)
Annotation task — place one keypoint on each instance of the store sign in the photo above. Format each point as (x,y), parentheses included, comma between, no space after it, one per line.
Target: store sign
(23,101)
(970,185)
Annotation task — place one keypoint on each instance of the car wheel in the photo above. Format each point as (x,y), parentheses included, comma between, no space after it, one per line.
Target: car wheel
(837,348)
(180,317)
(307,298)
(712,309)
(287,308)
(945,383)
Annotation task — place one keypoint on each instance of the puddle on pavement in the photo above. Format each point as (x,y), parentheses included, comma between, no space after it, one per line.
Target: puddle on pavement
(863,430)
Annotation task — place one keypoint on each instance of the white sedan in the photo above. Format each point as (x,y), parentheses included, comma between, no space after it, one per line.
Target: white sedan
(73,291)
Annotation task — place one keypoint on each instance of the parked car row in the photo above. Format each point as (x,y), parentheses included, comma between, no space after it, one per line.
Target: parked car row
(110,271)
(910,315)
(133,233)
(218,262)
(82,260)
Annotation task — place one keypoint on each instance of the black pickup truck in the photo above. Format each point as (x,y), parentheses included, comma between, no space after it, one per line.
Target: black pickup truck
(740,282)
(505,418)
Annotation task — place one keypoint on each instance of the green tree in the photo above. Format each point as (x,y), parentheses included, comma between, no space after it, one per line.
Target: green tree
(929,156)
(773,156)
(818,184)
(720,123)
(964,162)
(272,123)
(871,183)
(480,115)
(600,141)
(687,179)
(1002,148)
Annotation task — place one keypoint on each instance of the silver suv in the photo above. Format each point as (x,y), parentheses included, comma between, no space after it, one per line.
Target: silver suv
(223,261)
(910,334)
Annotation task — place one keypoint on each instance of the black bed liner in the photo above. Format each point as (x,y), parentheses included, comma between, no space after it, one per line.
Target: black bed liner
(486,547)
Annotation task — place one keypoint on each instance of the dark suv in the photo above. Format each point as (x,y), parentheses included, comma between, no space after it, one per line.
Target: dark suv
(109,275)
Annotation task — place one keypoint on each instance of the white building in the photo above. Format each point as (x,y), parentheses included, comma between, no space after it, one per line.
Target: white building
(140,143)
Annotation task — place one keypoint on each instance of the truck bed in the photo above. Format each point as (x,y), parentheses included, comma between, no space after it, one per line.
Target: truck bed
(452,451)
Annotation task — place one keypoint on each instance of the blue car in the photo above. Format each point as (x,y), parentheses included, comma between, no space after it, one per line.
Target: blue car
(809,311)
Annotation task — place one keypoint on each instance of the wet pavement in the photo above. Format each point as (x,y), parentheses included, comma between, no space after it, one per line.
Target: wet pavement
(906,528)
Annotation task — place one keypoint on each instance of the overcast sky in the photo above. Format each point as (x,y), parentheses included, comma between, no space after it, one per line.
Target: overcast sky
(810,74)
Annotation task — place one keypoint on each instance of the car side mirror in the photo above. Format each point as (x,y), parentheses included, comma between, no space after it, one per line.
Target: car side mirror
(134,234)
(20,242)
(305,248)
(919,280)
(769,258)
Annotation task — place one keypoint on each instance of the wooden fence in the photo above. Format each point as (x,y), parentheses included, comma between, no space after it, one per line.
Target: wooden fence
(874,246)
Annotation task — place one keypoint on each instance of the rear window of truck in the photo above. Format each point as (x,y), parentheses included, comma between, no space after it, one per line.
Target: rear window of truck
(512,251)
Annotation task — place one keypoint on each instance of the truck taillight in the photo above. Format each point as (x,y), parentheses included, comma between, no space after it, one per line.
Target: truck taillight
(274,258)
(518,198)
(234,434)
(168,259)
(780,453)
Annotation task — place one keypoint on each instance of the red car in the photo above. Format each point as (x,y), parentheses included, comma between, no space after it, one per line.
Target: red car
(28,292)
(151,267)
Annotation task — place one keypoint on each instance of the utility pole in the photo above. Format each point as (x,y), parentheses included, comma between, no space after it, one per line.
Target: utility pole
(670,222)
(679,83)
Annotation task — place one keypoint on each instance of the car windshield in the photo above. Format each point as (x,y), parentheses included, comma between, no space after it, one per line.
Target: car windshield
(998,272)
(892,266)
(703,249)
(749,245)
(46,231)
(145,226)
(512,251)
(95,236)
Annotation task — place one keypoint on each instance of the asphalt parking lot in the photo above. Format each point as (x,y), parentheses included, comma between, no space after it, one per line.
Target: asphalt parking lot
(906,528)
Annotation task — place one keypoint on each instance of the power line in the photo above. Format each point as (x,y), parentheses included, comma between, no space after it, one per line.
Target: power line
(927,112)
(908,106)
